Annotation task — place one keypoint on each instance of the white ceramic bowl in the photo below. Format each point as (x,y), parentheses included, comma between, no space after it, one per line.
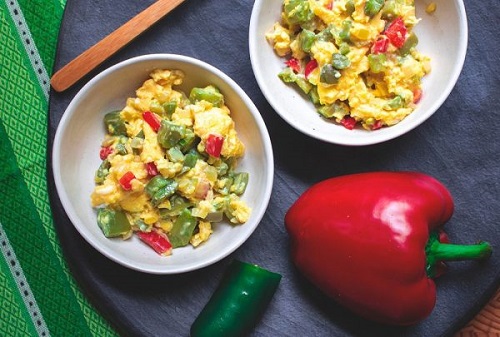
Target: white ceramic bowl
(77,143)
(442,36)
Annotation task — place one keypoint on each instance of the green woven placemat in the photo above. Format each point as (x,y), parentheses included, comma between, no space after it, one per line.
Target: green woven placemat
(38,295)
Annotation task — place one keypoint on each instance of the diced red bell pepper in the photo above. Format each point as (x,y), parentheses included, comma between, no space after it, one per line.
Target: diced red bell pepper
(126,181)
(213,145)
(348,122)
(377,125)
(380,45)
(152,120)
(417,95)
(158,241)
(396,32)
(151,169)
(310,66)
(329,5)
(105,152)
(294,64)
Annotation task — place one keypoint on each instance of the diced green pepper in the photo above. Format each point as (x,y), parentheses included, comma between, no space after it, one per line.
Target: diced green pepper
(396,103)
(190,159)
(325,34)
(389,11)
(410,43)
(112,222)
(329,111)
(183,229)
(136,144)
(313,95)
(287,75)
(377,62)
(345,33)
(170,134)
(160,188)
(209,93)
(102,172)
(344,48)
(372,7)
(240,182)
(306,39)
(222,168)
(115,125)
(188,141)
(329,74)
(298,12)
(169,108)
(175,155)
(340,61)
(177,205)
(303,84)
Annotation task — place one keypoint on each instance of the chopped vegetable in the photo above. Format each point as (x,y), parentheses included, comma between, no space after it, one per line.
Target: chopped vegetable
(105,152)
(126,181)
(115,125)
(156,240)
(371,241)
(183,229)
(372,7)
(396,32)
(112,222)
(238,302)
(310,66)
(152,120)
(213,145)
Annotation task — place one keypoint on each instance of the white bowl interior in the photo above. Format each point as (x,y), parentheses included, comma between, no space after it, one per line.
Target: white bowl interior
(442,36)
(76,158)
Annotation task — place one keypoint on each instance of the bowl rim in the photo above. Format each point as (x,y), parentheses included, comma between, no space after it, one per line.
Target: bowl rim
(81,227)
(375,138)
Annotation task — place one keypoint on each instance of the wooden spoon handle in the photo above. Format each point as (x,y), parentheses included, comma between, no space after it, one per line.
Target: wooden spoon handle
(98,53)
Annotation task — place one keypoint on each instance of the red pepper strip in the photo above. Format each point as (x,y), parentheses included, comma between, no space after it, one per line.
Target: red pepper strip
(396,32)
(152,120)
(105,152)
(348,122)
(158,241)
(151,169)
(213,145)
(310,66)
(126,181)
(294,64)
(380,46)
(364,240)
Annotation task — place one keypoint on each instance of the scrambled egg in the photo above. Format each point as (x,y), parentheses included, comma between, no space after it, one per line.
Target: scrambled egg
(169,160)
(355,59)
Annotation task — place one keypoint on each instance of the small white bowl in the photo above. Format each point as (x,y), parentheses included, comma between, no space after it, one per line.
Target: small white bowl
(76,158)
(442,36)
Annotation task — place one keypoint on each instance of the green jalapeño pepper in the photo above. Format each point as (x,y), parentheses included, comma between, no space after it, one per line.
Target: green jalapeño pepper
(373,242)
(237,303)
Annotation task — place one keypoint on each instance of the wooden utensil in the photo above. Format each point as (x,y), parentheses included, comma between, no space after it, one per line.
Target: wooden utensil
(98,53)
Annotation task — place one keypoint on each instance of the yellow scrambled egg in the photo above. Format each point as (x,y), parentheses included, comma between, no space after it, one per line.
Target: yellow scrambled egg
(169,162)
(355,59)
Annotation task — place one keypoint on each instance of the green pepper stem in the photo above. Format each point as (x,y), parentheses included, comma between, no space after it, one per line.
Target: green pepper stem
(437,251)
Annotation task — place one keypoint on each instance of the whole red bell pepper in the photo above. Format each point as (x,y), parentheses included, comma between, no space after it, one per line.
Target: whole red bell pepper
(372,242)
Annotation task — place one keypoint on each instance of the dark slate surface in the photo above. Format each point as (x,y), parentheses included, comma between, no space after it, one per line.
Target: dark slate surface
(459,145)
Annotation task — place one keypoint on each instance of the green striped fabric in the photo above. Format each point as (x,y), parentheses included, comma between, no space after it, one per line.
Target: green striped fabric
(38,295)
